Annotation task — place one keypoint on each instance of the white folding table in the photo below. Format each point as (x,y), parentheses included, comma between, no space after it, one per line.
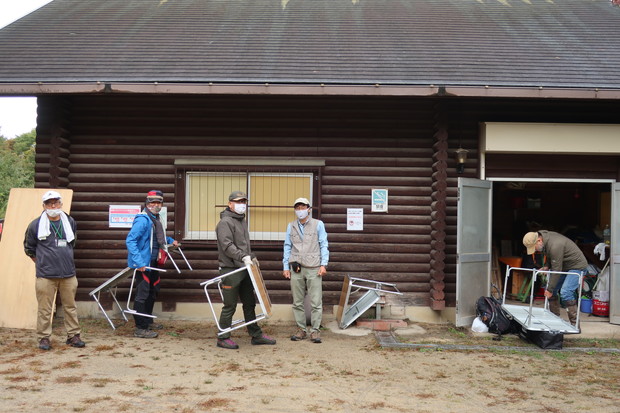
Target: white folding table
(259,288)
(111,287)
(347,314)
(536,318)
(172,249)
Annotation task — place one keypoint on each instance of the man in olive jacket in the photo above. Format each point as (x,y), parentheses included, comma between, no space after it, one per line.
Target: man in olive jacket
(233,247)
(562,255)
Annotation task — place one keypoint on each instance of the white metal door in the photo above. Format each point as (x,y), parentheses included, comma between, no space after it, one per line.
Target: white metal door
(614,267)
(473,247)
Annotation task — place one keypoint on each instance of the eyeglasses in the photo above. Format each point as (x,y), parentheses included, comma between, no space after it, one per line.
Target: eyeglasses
(52,204)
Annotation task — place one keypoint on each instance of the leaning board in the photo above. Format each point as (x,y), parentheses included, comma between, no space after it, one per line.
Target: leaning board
(261,290)
(344,295)
(18,302)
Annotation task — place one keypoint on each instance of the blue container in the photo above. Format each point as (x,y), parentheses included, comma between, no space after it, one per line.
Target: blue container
(586,305)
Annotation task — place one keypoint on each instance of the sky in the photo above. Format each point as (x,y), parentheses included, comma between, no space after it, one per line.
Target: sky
(17,114)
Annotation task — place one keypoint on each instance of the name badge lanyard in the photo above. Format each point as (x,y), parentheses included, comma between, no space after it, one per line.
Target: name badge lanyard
(58,233)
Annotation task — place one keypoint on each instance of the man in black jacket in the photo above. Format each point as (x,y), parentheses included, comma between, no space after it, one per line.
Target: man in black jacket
(49,242)
(233,246)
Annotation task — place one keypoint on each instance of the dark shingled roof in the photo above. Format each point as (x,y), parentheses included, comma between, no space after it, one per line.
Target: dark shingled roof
(513,43)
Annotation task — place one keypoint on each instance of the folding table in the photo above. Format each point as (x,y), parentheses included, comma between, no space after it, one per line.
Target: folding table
(347,314)
(259,288)
(541,319)
(170,249)
(111,287)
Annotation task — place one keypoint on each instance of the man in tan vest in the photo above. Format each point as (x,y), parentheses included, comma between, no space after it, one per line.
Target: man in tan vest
(306,256)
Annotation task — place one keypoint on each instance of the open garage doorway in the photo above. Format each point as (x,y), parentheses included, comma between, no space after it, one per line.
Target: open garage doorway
(578,210)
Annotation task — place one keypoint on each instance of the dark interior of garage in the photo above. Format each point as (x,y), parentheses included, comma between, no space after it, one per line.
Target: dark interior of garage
(578,210)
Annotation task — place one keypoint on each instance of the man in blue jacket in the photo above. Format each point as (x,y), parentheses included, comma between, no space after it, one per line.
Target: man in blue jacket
(144,241)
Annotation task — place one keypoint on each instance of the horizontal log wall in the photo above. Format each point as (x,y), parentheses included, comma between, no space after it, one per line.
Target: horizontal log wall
(111,149)
(122,146)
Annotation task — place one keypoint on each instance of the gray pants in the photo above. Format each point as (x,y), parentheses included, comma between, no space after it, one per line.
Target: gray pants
(307,279)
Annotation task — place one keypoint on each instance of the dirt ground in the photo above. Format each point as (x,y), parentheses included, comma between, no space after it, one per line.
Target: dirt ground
(183,371)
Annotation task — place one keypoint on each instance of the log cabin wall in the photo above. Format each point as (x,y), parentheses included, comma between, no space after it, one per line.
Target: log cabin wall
(121,146)
(114,148)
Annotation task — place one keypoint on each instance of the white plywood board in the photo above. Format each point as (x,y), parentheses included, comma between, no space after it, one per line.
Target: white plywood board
(18,302)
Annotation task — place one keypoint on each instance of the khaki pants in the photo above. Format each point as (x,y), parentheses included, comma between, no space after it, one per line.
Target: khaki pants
(307,280)
(46,289)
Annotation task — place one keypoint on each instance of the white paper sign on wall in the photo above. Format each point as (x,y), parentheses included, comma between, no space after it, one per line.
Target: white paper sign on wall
(355,219)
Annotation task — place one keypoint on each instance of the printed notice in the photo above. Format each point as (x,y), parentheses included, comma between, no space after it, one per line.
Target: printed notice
(121,216)
(355,219)
(379,200)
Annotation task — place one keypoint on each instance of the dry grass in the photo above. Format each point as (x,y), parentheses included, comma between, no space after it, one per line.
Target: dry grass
(185,372)
(214,403)
(69,379)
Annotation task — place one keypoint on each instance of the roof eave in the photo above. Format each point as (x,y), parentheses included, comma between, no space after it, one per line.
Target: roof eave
(47,88)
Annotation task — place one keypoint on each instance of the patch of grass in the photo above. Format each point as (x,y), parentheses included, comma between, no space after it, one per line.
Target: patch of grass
(458,332)
(16,379)
(102,382)
(104,347)
(74,364)
(214,403)
(12,370)
(69,379)
(592,342)
(560,355)
(96,400)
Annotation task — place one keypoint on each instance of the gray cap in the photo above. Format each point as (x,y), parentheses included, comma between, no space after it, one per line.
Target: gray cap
(237,196)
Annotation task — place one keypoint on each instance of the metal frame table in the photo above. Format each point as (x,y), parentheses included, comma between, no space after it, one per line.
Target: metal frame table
(111,287)
(259,288)
(541,319)
(347,314)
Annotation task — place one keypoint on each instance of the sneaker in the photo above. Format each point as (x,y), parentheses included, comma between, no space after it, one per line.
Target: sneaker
(155,326)
(144,333)
(299,335)
(315,337)
(44,344)
(75,341)
(263,340)
(227,343)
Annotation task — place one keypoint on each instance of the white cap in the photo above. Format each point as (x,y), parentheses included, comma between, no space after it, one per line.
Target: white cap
(51,195)
(301,201)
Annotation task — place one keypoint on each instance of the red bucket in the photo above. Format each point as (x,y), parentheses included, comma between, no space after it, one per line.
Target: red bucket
(600,308)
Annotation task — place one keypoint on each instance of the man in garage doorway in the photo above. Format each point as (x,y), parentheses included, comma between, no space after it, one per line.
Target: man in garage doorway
(562,255)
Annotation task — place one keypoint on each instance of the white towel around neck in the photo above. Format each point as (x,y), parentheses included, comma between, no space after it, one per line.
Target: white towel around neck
(44,226)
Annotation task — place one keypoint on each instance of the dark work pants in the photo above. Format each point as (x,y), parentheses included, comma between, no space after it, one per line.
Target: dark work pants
(146,293)
(240,286)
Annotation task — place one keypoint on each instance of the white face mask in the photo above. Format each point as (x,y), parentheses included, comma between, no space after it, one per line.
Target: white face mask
(240,208)
(53,213)
(302,213)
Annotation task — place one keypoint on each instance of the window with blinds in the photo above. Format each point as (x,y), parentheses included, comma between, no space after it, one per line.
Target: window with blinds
(270,200)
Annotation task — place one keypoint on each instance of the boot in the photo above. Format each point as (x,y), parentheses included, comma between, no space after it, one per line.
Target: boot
(571,307)
(554,305)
